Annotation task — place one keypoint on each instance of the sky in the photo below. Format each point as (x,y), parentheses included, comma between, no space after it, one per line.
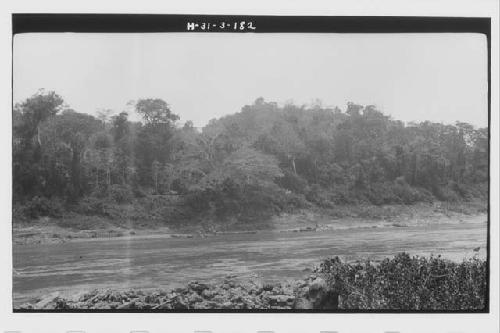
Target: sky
(412,77)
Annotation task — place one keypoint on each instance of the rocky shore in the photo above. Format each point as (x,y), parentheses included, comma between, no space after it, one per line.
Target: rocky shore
(310,293)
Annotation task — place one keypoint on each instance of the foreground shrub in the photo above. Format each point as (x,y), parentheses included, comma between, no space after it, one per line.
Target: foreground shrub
(408,283)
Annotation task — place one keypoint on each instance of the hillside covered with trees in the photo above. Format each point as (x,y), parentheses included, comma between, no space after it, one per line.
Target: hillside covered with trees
(259,162)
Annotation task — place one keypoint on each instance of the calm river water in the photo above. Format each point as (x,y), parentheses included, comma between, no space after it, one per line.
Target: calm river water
(154,262)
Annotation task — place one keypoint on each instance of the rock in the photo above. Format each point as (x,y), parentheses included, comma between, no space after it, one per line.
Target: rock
(249,303)
(200,305)
(77,297)
(141,305)
(226,305)
(208,294)
(212,305)
(301,283)
(194,298)
(310,293)
(281,300)
(237,299)
(267,287)
(61,304)
(218,299)
(152,299)
(165,306)
(130,294)
(302,304)
(179,303)
(198,287)
(48,302)
(114,305)
(114,297)
(129,305)
(26,306)
(104,306)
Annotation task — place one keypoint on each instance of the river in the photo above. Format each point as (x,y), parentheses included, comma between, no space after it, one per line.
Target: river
(161,262)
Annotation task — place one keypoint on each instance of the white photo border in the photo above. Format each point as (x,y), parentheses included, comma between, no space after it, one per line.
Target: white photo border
(254,322)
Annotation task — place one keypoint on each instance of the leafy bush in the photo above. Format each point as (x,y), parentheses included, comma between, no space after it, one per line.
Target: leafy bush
(100,192)
(341,196)
(247,202)
(138,192)
(319,196)
(277,200)
(398,192)
(180,185)
(243,202)
(120,193)
(445,193)
(162,208)
(410,195)
(292,201)
(19,213)
(381,194)
(408,283)
(293,182)
(92,206)
(42,206)
(384,193)
(469,191)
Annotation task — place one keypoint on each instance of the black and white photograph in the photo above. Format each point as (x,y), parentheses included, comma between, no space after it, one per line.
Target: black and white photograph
(230,169)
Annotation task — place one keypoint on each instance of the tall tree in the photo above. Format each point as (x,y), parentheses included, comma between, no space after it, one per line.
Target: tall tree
(74,131)
(155,111)
(36,110)
(153,140)
(28,117)
(122,138)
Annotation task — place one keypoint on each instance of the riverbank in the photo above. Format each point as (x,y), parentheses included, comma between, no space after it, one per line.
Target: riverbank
(230,293)
(76,227)
(158,261)
(398,283)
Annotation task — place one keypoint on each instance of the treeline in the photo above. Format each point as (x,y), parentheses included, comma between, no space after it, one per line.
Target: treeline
(262,160)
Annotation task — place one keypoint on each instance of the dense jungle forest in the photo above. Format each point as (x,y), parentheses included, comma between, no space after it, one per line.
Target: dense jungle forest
(261,161)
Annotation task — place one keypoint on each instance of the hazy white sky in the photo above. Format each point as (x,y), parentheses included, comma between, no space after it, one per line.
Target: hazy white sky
(437,77)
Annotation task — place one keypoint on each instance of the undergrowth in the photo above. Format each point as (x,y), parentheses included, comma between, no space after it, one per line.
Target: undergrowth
(408,283)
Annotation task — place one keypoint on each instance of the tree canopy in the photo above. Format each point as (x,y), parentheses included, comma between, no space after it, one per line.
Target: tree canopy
(263,156)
